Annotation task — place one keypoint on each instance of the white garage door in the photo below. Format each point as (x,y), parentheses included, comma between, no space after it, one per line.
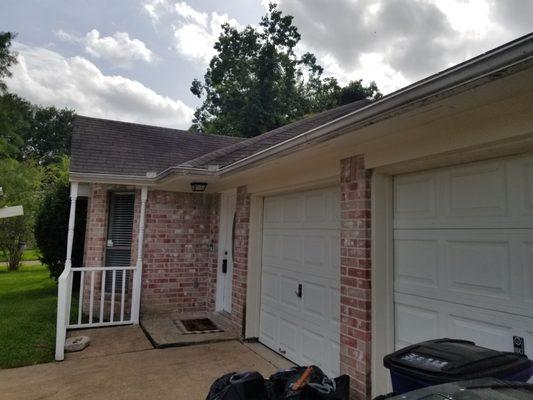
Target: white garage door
(463,248)
(301,247)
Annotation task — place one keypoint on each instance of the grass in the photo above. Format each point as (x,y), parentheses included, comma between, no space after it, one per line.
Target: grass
(28,301)
(29,255)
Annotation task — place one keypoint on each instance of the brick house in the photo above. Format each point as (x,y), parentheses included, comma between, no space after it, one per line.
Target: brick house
(336,238)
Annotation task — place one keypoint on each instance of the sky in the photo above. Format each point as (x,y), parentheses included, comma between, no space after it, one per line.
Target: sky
(134,60)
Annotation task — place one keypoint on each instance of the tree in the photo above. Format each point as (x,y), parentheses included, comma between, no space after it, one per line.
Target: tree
(256,82)
(21,186)
(15,122)
(49,134)
(7,58)
(51,223)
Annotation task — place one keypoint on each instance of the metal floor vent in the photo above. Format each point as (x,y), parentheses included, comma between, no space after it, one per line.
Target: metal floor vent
(197,326)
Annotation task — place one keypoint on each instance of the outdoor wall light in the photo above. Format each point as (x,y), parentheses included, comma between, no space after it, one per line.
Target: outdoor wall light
(198,186)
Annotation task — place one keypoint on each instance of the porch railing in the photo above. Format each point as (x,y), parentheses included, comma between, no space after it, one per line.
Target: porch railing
(97,296)
(91,297)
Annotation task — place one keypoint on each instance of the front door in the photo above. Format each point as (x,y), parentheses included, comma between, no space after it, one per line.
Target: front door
(225,251)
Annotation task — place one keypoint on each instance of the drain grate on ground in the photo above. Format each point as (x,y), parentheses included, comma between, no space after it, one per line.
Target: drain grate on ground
(196,326)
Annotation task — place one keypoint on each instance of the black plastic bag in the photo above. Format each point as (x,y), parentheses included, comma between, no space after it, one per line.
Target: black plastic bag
(249,385)
(318,386)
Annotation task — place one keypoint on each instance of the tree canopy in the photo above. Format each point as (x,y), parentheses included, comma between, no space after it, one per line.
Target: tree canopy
(7,58)
(257,81)
(34,144)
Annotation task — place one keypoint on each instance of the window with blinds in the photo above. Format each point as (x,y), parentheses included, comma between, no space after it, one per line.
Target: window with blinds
(119,236)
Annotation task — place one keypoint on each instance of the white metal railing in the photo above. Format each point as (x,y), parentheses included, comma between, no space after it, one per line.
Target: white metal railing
(104,298)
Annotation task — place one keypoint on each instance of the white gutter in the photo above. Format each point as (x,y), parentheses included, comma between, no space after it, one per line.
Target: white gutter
(488,65)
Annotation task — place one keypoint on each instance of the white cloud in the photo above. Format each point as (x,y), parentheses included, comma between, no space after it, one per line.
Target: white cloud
(47,78)
(396,42)
(119,49)
(189,13)
(194,32)
(67,37)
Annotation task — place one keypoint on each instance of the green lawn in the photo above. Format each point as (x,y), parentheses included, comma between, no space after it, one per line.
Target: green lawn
(29,255)
(27,316)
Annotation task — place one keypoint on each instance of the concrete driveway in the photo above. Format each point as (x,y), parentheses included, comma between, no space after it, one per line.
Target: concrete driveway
(171,373)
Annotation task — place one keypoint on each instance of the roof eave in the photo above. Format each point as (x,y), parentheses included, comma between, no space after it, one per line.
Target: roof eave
(515,56)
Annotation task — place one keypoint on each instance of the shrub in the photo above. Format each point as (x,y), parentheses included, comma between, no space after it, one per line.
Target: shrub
(51,227)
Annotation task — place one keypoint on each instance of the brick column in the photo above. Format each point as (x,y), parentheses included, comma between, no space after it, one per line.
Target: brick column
(355,275)
(240,256)
(95,234)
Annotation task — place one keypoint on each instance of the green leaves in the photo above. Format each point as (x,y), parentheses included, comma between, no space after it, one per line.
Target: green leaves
(256,82)
(7,57)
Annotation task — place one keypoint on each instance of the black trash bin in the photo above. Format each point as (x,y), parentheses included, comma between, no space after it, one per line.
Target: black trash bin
(447,360)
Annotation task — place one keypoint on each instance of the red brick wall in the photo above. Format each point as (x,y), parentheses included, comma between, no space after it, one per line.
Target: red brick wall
(95,234)
(179,265)
(240,257)
(355,274)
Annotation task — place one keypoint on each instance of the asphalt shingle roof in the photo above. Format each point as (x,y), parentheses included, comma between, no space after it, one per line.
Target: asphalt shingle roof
(121,148)
(112,147)
(238,151)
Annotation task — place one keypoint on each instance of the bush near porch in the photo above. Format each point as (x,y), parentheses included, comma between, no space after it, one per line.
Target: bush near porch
(28,299)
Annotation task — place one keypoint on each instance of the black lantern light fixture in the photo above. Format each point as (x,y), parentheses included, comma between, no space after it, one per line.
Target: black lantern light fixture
(198,186)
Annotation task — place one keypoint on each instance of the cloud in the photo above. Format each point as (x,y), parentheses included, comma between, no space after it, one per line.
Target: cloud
(395,42)
(194,32)
(46,77)
(119,49)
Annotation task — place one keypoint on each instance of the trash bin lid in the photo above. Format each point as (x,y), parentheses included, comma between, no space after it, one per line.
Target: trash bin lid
(445,360)
(478,389)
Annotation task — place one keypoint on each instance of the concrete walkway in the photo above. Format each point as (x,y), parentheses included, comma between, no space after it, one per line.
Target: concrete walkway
(179,373)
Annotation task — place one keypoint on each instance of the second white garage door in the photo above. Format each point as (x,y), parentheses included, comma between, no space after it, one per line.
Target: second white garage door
(463,253)
(301,249)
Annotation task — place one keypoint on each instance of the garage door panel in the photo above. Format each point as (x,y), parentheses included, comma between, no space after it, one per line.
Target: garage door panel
(476,191)
(312,346)
(271,248)
(270,285)
(287,296)
(486,268)
(490,194)
(288,337)
(484,333)
(480,267)
(415,198)
(268,327)
(416,262)
(414,324)
(315,302)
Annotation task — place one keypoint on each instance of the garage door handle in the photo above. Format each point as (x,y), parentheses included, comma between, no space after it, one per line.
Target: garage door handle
(299,292)
(281,351)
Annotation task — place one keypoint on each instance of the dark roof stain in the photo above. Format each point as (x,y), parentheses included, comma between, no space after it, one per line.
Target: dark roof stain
(104,146)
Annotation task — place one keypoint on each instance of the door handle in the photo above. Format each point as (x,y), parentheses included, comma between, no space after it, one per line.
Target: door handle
(299,292)
(281,351)
(224,266)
